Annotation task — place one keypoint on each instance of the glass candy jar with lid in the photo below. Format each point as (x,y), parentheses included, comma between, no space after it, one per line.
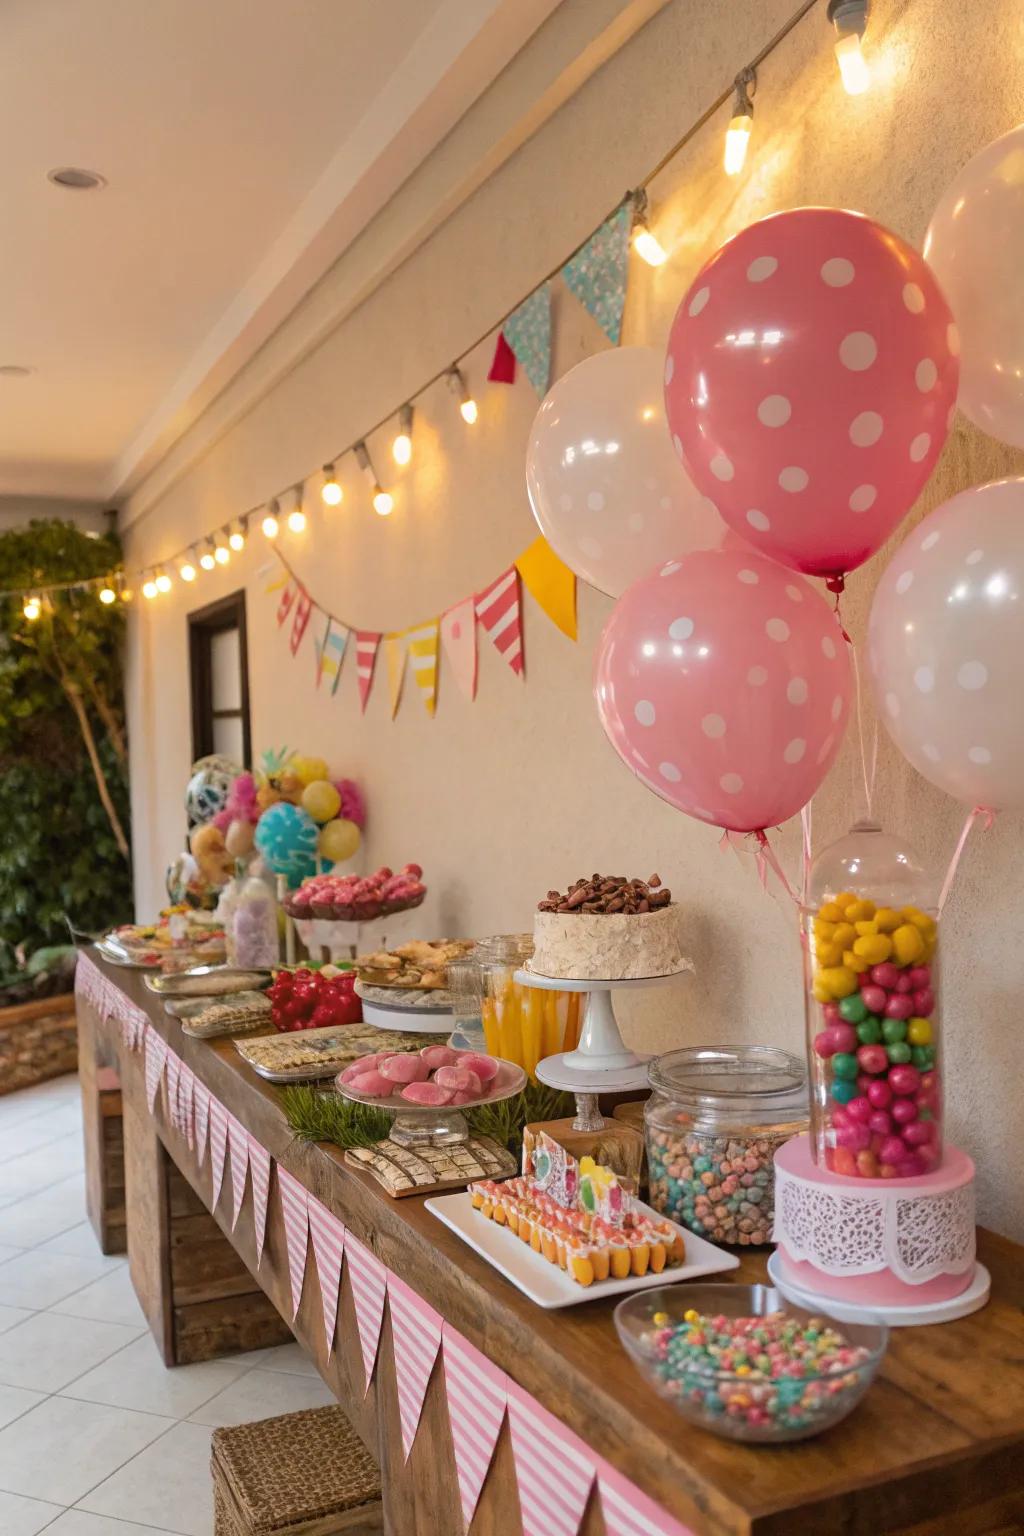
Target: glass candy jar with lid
(871,999)
(712,1124)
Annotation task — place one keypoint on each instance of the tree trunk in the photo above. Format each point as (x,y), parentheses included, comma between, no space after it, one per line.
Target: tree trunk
(111,723)
(74,694)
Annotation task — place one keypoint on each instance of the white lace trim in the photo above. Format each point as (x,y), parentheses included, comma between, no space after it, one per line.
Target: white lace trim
(916,1236)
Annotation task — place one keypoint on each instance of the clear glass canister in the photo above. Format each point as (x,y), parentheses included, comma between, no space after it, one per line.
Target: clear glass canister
(712,1124)
(871,996)
(255,925)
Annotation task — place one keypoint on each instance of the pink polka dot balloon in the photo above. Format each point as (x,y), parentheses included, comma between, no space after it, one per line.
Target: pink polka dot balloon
(723,681)
(810,383)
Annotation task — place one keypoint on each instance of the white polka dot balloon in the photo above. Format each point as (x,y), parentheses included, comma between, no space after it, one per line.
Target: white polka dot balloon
(604,482)
(945,644)
(723,682)
(810,378)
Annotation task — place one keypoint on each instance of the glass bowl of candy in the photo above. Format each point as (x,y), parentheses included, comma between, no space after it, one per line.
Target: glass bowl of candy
(742,1362)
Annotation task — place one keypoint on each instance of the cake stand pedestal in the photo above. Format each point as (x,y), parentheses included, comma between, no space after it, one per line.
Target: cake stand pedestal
(602,1062)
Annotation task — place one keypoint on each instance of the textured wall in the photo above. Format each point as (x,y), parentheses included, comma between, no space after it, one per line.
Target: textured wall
(519,791)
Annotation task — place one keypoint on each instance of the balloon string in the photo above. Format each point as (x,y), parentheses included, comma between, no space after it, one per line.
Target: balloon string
(805,863)
(869,779)
(768,859)
(988,815)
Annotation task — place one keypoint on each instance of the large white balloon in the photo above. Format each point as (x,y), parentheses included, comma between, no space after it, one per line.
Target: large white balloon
(974,245)
(604,482)
(945,644)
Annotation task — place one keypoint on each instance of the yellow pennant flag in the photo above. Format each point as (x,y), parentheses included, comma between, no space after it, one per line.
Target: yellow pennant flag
(278,582)
(394,657)
(423,653)
(550,583)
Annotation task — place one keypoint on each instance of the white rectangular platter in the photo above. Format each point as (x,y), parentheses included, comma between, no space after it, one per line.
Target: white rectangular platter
(546,1284)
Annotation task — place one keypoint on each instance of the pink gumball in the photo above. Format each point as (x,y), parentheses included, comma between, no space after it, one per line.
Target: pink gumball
(824,1045)
(911,1167)
(856,1137)
(790,385)
(859,1110)
(864,1080)
(904,985)
(918,1133)
(845,1036)
(904,1111)
(904,1080)
(885,975)
(920,976)
(880,1123)
(875,997)
(899,1006)
(839,1115)
(830,1013)
(723,682)
(924,1002)
(892,1150)
(880,1094)
(873,1058)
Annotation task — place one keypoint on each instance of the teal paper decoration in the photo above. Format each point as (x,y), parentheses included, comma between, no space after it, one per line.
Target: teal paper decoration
(597,273)
(528,333)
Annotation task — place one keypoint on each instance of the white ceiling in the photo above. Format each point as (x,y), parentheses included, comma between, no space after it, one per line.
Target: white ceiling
(245,143)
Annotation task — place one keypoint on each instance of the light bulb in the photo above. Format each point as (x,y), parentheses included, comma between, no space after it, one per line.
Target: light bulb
(149,588)
(107,594)
(383,503)
(469,411)
(32,608)
(457,385)
(206,559)
(126,594)
(236,538)
(331,493)
(297,520)
(648,247)
(737,137)
(187,571)
(163,582)
(853,66)
(401,448)
(270,525)
(221,554)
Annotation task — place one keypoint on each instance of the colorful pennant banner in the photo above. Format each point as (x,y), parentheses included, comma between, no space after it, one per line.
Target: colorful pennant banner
(156,1056)
(598,271)
(296,1226)
(528,333)
(554,1470)
(394,661)
(458,636)
(201,1096)
(238,1146)
(328,1235)
(477,1395)
(423,659)
(218,1146)
(366,656)
(259,1171)
(368,1278)
(416,1336)
(499,611)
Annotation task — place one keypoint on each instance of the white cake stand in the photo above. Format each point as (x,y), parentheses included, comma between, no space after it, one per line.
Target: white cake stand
(602,1062)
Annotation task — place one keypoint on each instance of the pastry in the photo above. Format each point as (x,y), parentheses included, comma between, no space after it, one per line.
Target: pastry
(607,928)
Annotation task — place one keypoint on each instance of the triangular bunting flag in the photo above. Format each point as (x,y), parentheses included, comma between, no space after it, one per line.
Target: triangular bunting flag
(528,333)
(201,1095)
(423,657)
(503,365)
(287,601)
(279,581)
(218,1146)
(477,1394)
(498,610)
(394,660)
(330,653)
(628,1512)
(369,1287)
(296,1226)
(366,655)
(187,1098)
(238,1144)
(303,609)
(172,1077)
(156,1056)
(458,636)
(551,584)
(597,273)
(328,1235)
(259,1168)
(416,1335)
(554,1469)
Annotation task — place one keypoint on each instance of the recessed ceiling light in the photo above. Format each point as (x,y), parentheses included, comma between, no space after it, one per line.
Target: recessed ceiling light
(75,179)
(15,371)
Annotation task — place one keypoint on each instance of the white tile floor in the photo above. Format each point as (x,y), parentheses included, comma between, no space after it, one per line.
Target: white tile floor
(97,1437)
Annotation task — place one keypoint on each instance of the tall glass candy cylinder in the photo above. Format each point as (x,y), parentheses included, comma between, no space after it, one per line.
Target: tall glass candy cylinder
(871,943)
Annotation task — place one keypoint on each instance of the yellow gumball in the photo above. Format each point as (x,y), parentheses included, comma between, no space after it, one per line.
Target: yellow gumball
(828,954)
(831,913)
(839,979)
(308,770)
(887,920)
(860,911)
(873,947)
(908,945)
(844,935)
(855,962)
(321,800)
(339,841)
(919,1032)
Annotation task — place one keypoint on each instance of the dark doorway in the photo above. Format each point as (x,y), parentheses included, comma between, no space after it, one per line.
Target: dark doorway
(219,662)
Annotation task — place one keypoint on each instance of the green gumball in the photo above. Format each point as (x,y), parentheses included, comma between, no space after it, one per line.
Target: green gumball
(898,1053)
(853,1008)
(923,1057)
(869,1032)
(894,1030)
(844,1065)
(842,1091)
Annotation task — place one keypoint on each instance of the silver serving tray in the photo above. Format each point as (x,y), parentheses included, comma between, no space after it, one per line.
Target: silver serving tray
(184,983)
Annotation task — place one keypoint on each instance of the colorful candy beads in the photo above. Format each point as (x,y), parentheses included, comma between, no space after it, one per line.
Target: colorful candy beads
(721,1187)
(877,1090)
(770,1378)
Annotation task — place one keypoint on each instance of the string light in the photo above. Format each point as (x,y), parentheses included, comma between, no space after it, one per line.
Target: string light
(187,569)
(32,608)
(270,525)
(383,503)
(107,593)
(401,448)
(296,517)
(221,553)
(737,136)
(467,405)
(850,19)
(125,591)
(646,244)
(239,534)
(163,581)
(208,559)
(331,492)
(149,589)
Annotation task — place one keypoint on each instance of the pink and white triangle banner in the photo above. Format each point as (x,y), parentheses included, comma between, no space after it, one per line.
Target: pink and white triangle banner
(628,1512)
(369,1288)
(294,1201)
(238,1145)
(416,1336)
(156,1056)
(477,1395)
(201,1100)
(554,1469)
(328,1235)
(259,1169)
(172,1078)
(187,1100)
(218,1146)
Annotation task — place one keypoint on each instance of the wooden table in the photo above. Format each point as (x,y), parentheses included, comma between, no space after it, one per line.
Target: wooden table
(936,1446)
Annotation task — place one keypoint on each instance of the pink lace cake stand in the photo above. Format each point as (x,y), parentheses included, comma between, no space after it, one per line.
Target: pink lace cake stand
(902,1250)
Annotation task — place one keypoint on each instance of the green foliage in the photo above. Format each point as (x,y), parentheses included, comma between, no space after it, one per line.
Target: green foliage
(58,853)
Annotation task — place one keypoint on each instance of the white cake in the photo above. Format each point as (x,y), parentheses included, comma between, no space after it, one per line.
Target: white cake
(607,946)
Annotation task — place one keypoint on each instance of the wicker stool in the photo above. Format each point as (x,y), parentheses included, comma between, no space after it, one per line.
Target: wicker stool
(303,1474)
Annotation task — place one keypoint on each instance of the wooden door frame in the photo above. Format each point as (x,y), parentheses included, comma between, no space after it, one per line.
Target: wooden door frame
(226,613)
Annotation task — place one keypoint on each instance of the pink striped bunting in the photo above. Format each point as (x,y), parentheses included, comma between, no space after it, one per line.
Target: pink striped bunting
(201,1100)
(628,1512)
(498,609)
(328,1235)
(369,1287)
(416,1334)
(554,1470)
(218,1146)
(172,1078)
(259,1168)
(187,1099)
(238,1146)
(294,1208)
(156,1056)
(477,1395)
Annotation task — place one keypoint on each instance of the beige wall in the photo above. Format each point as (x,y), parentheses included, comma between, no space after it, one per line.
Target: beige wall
(505,797)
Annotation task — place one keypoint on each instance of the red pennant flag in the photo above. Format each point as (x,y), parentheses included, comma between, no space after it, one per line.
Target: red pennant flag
(259,1168)
(554,1469)
(416,1334)
(296,1227)
(156,1056)
(202,1105)
(218,1146)
(238,1145)
(477,1395)
(303,609)
(328,1235)
(503,368)
(286,602)
(498,609)
(369,1287)
(366,656)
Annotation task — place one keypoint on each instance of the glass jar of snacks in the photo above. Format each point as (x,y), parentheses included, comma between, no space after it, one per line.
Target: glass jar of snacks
(523,1024)
(871,1000)
(712,1124)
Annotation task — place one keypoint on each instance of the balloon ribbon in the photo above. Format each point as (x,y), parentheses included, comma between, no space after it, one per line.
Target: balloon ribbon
(988,815)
